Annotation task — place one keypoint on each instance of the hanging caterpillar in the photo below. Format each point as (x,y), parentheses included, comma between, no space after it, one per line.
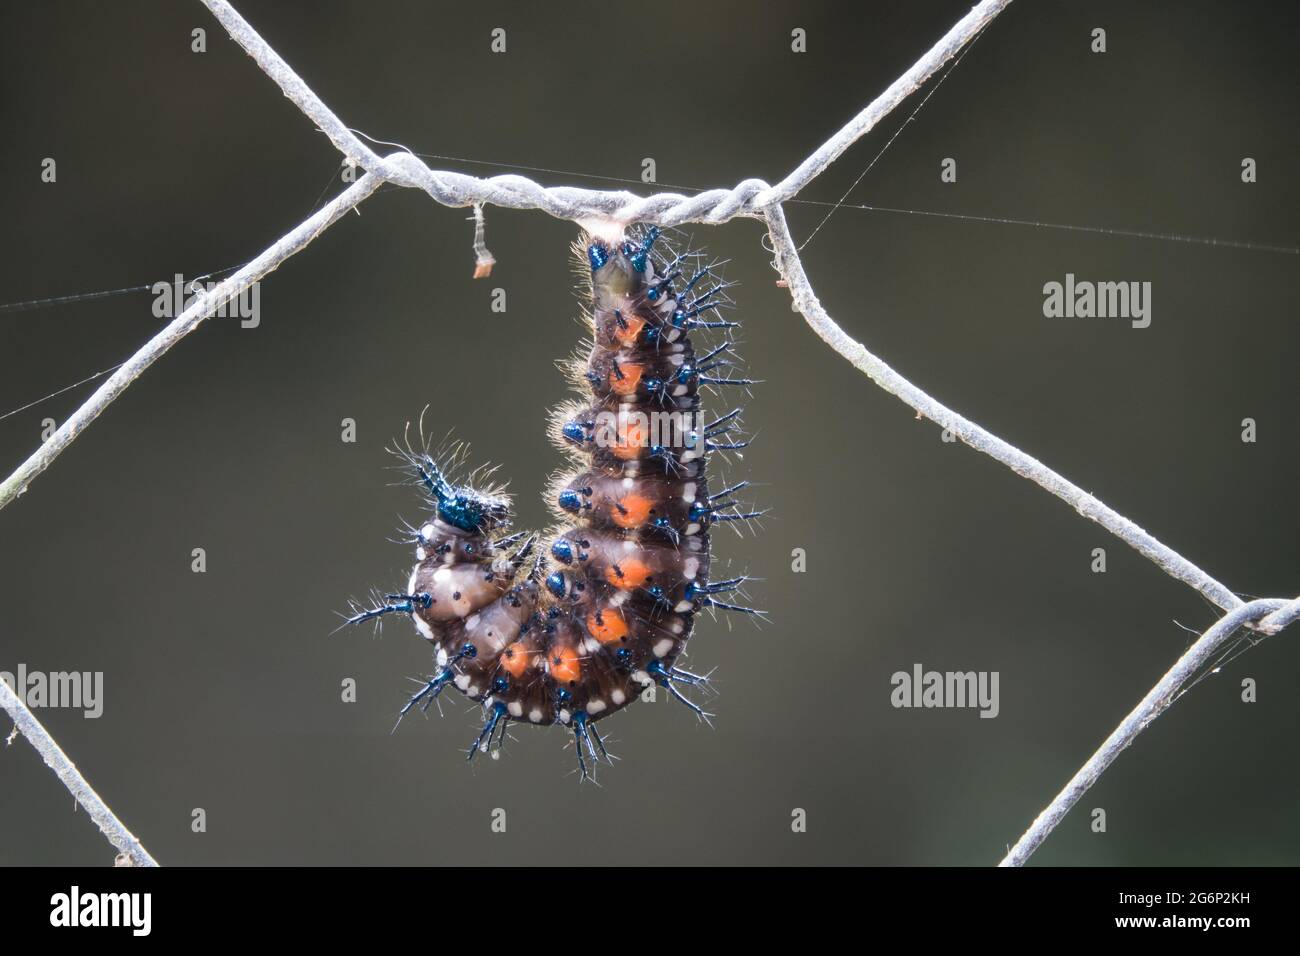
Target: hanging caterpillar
(573,633)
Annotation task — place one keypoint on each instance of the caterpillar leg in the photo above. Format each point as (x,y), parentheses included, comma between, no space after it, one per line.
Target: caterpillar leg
(725,492)
(600,744)
(685,317)
(394,604)
(585,733)
(714,427)
(711,380)
(726,445)
(483,742)
(674,673)
(427,693)
(738,515)
(510,539)
(723,606)
(715,508)
(521,555)
(665,675)
(724,426)
(694,590)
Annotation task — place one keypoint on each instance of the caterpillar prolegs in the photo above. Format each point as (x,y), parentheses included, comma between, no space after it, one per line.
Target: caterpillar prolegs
(571,627)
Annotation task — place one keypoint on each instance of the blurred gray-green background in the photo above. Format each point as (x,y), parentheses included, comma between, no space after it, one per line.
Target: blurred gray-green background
(222,690)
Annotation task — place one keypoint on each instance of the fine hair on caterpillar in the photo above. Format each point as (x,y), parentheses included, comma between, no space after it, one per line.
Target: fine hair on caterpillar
(569,625)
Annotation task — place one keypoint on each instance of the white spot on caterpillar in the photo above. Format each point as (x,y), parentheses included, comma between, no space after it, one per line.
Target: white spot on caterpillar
(591,645)
(535,715)
(675,627)
(688,491)
(595,706)
(427,532)
(629,545)
(516,709)
(663,647)
(618,697)
(676,359)
(425,630)
(680,390)
(471,622)
(692,528)
(410,585)
(681,608)
(564,716)
(462,681)
(442,657)
(439,576)
(420,554)
(617,599)
(629,483)
(691,568)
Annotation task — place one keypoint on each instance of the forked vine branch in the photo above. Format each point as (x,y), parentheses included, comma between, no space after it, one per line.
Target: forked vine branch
(752,198)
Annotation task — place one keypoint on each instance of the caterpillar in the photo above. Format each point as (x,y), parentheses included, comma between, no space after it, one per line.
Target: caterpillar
(574,631)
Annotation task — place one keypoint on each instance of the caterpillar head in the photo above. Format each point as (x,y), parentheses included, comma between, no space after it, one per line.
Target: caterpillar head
(620,268)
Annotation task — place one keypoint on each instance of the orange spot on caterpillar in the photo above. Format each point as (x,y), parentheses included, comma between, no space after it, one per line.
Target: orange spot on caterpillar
(630,329)
(632,511)
(564,664)
(627,575)
(626,452)
(623,379)
(607,625)
(631,439)
(515,659)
